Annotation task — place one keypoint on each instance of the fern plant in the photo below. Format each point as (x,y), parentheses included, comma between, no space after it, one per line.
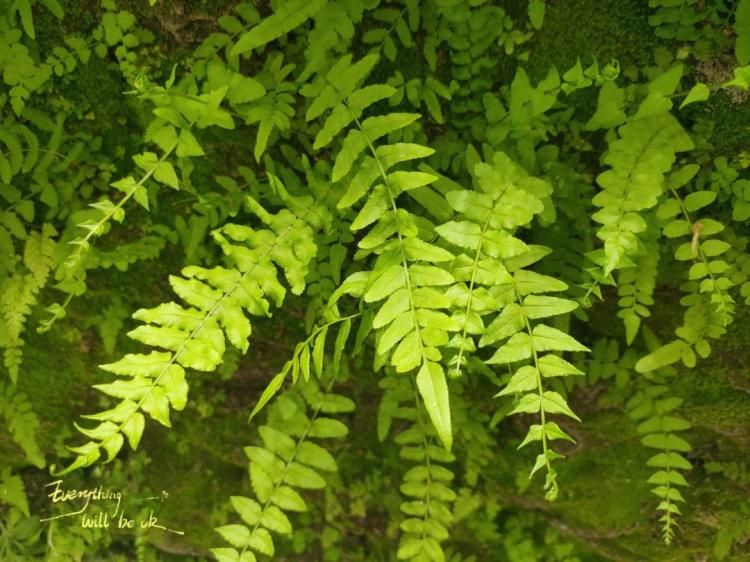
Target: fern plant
(287,461)
(194,337)
(19,294)
(460,198)
(710,306)
(494,278)
(410,329)
(644,152)
(659,427)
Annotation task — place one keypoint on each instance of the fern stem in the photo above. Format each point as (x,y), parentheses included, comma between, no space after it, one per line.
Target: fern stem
(539,386)
(469,298)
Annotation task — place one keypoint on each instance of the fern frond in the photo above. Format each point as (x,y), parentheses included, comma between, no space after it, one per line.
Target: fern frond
(334,30)
(409,324)
(638,160)
(710,305)
(171,132)
(23,9)
(286,462)
(507,198)
(659,427)
(289,15)
(472,35)
(426,486)
(194,336)
(635,289)
(606,362)
(392,19)
(526,342)
(493,277)
(309,355)
(22,423)
(19,294)
(123,256)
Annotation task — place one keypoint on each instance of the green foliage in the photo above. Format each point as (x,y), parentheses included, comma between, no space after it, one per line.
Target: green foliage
(410,329)
(701,23)
(659,425)
(19,294)
(194,337)
(424,226)
(286,462)
(636,287)
(710,306)
(289,16)
(638,160)
(426,486)
(22,424)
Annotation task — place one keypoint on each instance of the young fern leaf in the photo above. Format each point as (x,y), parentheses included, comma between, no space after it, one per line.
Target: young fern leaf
(193,337)
(410,328)
(506,200)
(658,429)
(710,306)
(288,460)
(426,485)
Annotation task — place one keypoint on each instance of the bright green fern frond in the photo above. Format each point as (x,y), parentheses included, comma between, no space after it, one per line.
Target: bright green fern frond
(194,336)
(409,324)
(638,160)
(492,277)
(507,199)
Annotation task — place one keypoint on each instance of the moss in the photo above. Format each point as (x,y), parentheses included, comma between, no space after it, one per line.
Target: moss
(584,28)
(730,123)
